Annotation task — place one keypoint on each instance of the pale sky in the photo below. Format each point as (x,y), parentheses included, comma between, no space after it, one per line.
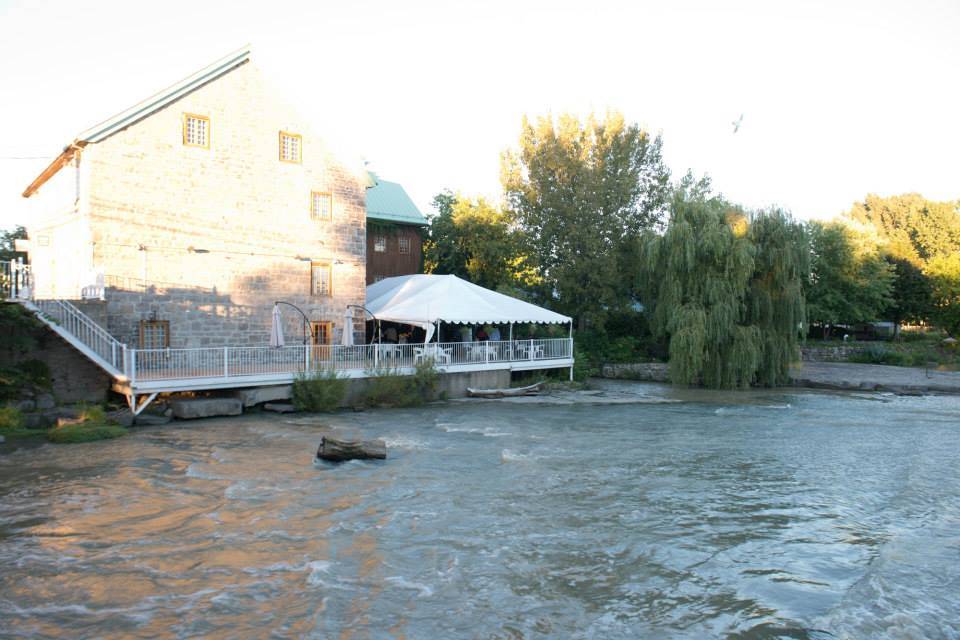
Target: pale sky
(839,98)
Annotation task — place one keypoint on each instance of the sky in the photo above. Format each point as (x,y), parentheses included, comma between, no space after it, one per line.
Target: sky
(839,99)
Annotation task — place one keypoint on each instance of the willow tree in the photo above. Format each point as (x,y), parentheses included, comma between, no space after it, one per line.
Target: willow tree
(726,291)
(775,302)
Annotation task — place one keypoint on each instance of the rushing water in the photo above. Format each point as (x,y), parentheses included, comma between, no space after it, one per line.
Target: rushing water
(748,515)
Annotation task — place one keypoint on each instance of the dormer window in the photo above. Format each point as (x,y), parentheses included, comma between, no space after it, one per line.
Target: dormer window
(196,130)
(321,206)
(290,147)
(380,244)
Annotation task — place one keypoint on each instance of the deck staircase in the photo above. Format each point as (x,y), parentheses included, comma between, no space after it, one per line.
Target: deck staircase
(82,333)
(66,320)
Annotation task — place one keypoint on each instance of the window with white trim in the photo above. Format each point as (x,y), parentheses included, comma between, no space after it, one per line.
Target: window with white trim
(321,279)
(196,130)
(404,244)
(380,244)
(290,147)
(321,206)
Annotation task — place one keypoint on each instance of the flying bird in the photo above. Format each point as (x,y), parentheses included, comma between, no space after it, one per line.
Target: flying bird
(737,123)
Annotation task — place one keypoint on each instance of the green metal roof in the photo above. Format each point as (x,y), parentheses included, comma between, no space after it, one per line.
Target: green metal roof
(389,201)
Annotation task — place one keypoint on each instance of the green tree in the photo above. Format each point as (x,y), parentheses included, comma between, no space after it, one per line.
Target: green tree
(944,274)
(775,299)
(472,239)
(849,282)
(581,193)
(911,295)
(914,228)
(7,239)
(727,291)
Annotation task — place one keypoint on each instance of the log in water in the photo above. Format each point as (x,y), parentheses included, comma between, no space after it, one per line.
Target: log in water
(335,450)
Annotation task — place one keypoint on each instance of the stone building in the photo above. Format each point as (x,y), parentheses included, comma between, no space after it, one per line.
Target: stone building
(394,232)
(182,219)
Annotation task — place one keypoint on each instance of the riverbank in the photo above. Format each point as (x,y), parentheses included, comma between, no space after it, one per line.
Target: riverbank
(847,376)
(839,376)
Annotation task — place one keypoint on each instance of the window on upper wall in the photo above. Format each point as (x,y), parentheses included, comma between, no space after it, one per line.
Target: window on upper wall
(290,147)
(321,279)
(380,244)
(154,334)
(196,130)
(321,206)
(404,244)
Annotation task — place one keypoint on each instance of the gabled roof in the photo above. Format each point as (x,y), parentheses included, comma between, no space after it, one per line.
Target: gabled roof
(141,110)
(388,201)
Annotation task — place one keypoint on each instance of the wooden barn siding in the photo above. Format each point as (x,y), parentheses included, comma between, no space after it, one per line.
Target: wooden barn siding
(392,262)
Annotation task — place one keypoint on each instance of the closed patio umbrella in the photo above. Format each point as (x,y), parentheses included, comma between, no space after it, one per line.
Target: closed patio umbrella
(276,328)
(347,338)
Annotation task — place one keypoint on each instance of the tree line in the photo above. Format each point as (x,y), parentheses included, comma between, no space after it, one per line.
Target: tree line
(592,225)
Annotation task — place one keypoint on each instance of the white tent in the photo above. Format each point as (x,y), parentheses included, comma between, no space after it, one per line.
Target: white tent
(425,300)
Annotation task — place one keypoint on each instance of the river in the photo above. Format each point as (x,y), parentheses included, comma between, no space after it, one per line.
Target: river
(739,515)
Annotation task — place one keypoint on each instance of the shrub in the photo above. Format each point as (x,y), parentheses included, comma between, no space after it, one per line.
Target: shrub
(35,372)
(10,418)
(583,368)
(85,432)
(879,354)
(320,391)
(388,387)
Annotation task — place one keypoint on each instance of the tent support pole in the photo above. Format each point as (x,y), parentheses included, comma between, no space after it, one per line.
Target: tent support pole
(571,350)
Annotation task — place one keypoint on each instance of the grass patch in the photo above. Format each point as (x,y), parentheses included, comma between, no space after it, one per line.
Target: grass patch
(11,424)
(320,391)
(85,432)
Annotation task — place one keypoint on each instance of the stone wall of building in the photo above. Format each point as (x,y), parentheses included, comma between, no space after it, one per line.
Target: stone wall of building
(208,238)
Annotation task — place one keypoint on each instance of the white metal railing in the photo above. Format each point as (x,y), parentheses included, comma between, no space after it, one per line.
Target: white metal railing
(15,280)
(85,330)
(229,362)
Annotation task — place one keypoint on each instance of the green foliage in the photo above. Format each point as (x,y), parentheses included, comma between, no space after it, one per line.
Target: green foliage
(580,193)
(848,283)
(35,372)
(10,418)
(583,366)
(775,302)
(912,293)
(727,291)
(913,228)
(388,387)
(880,354)
(85,432)
(321,391)
(472,239)
(944,274)
(7,239)
(12,424)
(20,331)
(927,352)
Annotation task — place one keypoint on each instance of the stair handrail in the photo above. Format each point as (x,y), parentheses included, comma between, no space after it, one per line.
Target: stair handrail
(76,322)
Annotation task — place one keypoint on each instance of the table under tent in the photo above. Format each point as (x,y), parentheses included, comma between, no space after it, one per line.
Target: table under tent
(456,321)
